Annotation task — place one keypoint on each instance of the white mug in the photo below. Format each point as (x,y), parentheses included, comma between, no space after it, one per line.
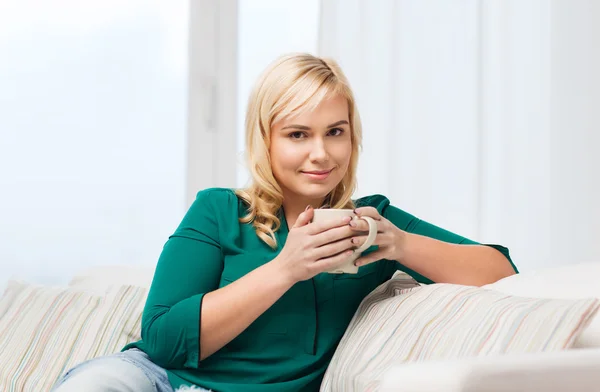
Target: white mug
(348,266)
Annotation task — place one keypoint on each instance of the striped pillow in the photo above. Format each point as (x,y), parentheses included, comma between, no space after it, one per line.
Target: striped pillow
(45,331)
(444,321)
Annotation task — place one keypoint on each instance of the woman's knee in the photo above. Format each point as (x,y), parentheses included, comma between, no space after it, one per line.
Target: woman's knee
(103,374)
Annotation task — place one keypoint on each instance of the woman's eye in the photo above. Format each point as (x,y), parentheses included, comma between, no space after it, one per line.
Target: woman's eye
(336,131)
(296,135)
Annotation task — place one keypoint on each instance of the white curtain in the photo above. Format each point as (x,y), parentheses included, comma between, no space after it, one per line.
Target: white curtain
(480,116)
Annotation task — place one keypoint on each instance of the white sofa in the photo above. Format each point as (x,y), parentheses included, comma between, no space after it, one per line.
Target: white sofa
(575,370)
(572,370)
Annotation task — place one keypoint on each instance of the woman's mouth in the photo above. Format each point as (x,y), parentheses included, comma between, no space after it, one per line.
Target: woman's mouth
(318,175)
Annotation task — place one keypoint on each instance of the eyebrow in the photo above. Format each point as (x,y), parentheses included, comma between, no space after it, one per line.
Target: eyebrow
(305,128)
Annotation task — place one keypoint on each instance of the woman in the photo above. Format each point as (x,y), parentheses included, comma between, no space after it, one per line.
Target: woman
(239,300)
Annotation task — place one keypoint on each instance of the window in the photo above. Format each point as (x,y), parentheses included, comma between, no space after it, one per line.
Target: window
(92,129)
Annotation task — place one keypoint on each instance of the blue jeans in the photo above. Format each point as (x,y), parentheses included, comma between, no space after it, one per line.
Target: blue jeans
(128,371)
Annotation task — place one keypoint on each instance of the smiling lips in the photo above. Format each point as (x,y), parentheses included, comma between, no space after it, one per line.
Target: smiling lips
(317,174)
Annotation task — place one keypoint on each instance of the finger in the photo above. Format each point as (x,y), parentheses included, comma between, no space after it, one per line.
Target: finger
(359,224)
(368,211)
(370,258)
(332,235)
(332,262)
(333,248)
(305,217)
(358,240)
(320,227)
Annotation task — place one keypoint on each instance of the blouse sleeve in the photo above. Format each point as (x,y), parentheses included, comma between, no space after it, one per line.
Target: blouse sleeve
(412,224)
(189,266)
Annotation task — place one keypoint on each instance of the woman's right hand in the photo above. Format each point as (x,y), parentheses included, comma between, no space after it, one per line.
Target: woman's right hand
(312,248)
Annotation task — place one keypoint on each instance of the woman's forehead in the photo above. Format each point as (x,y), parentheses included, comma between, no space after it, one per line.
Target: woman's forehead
(328,111)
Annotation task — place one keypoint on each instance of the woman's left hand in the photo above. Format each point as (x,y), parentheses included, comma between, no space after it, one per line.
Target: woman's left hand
(390,239)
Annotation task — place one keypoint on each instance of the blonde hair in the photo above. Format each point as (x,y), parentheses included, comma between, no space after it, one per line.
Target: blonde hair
(292,84)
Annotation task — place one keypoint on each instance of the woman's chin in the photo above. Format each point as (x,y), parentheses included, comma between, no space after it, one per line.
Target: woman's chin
(314,191)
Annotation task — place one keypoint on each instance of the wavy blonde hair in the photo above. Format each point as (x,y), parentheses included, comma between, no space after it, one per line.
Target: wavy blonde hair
(292,84)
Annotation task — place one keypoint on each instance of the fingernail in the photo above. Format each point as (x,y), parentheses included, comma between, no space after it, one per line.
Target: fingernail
(357,264)
(346,219)
(355,211)
(352,223)
(354,240)
(307,207)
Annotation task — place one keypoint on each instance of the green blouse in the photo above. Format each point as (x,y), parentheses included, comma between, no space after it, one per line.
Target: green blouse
(289,346)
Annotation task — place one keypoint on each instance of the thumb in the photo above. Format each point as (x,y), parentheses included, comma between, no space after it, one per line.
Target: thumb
(305,218)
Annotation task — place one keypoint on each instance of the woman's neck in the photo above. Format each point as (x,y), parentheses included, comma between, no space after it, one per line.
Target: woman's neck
(294,206)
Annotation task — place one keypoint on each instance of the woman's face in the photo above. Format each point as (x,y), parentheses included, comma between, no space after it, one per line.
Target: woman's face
(310,153)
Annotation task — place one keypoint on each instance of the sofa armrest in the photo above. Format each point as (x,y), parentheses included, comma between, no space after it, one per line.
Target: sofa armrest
(569,370)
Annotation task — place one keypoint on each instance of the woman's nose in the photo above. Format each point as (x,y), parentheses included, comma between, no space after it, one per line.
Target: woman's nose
(318,152)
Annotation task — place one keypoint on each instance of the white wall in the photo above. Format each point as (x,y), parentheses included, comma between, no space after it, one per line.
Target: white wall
(92,133)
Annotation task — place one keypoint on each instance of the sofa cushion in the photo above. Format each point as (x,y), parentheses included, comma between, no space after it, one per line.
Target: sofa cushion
(560,371)
(99,279)
(567,282)
(45,331)
(444,321)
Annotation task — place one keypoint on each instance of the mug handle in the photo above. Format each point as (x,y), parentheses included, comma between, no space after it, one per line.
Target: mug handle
(372,234)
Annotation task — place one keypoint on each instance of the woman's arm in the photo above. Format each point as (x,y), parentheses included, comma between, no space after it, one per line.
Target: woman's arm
(187,316)
(444,262)
(228,311)
(189,267)
(431,253)
(199,323)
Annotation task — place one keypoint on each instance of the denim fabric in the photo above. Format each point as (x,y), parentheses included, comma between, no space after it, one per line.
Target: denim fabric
(128,371)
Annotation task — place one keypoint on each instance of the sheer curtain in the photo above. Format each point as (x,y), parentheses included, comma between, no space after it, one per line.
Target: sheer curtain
(479,116)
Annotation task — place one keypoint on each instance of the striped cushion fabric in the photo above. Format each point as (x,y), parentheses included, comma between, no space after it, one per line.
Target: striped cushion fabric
(45,331)
(444,321)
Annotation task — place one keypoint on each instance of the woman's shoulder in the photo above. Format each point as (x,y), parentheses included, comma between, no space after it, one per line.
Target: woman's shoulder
(218,198)
(222,199)
(380,202)
(215,193)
